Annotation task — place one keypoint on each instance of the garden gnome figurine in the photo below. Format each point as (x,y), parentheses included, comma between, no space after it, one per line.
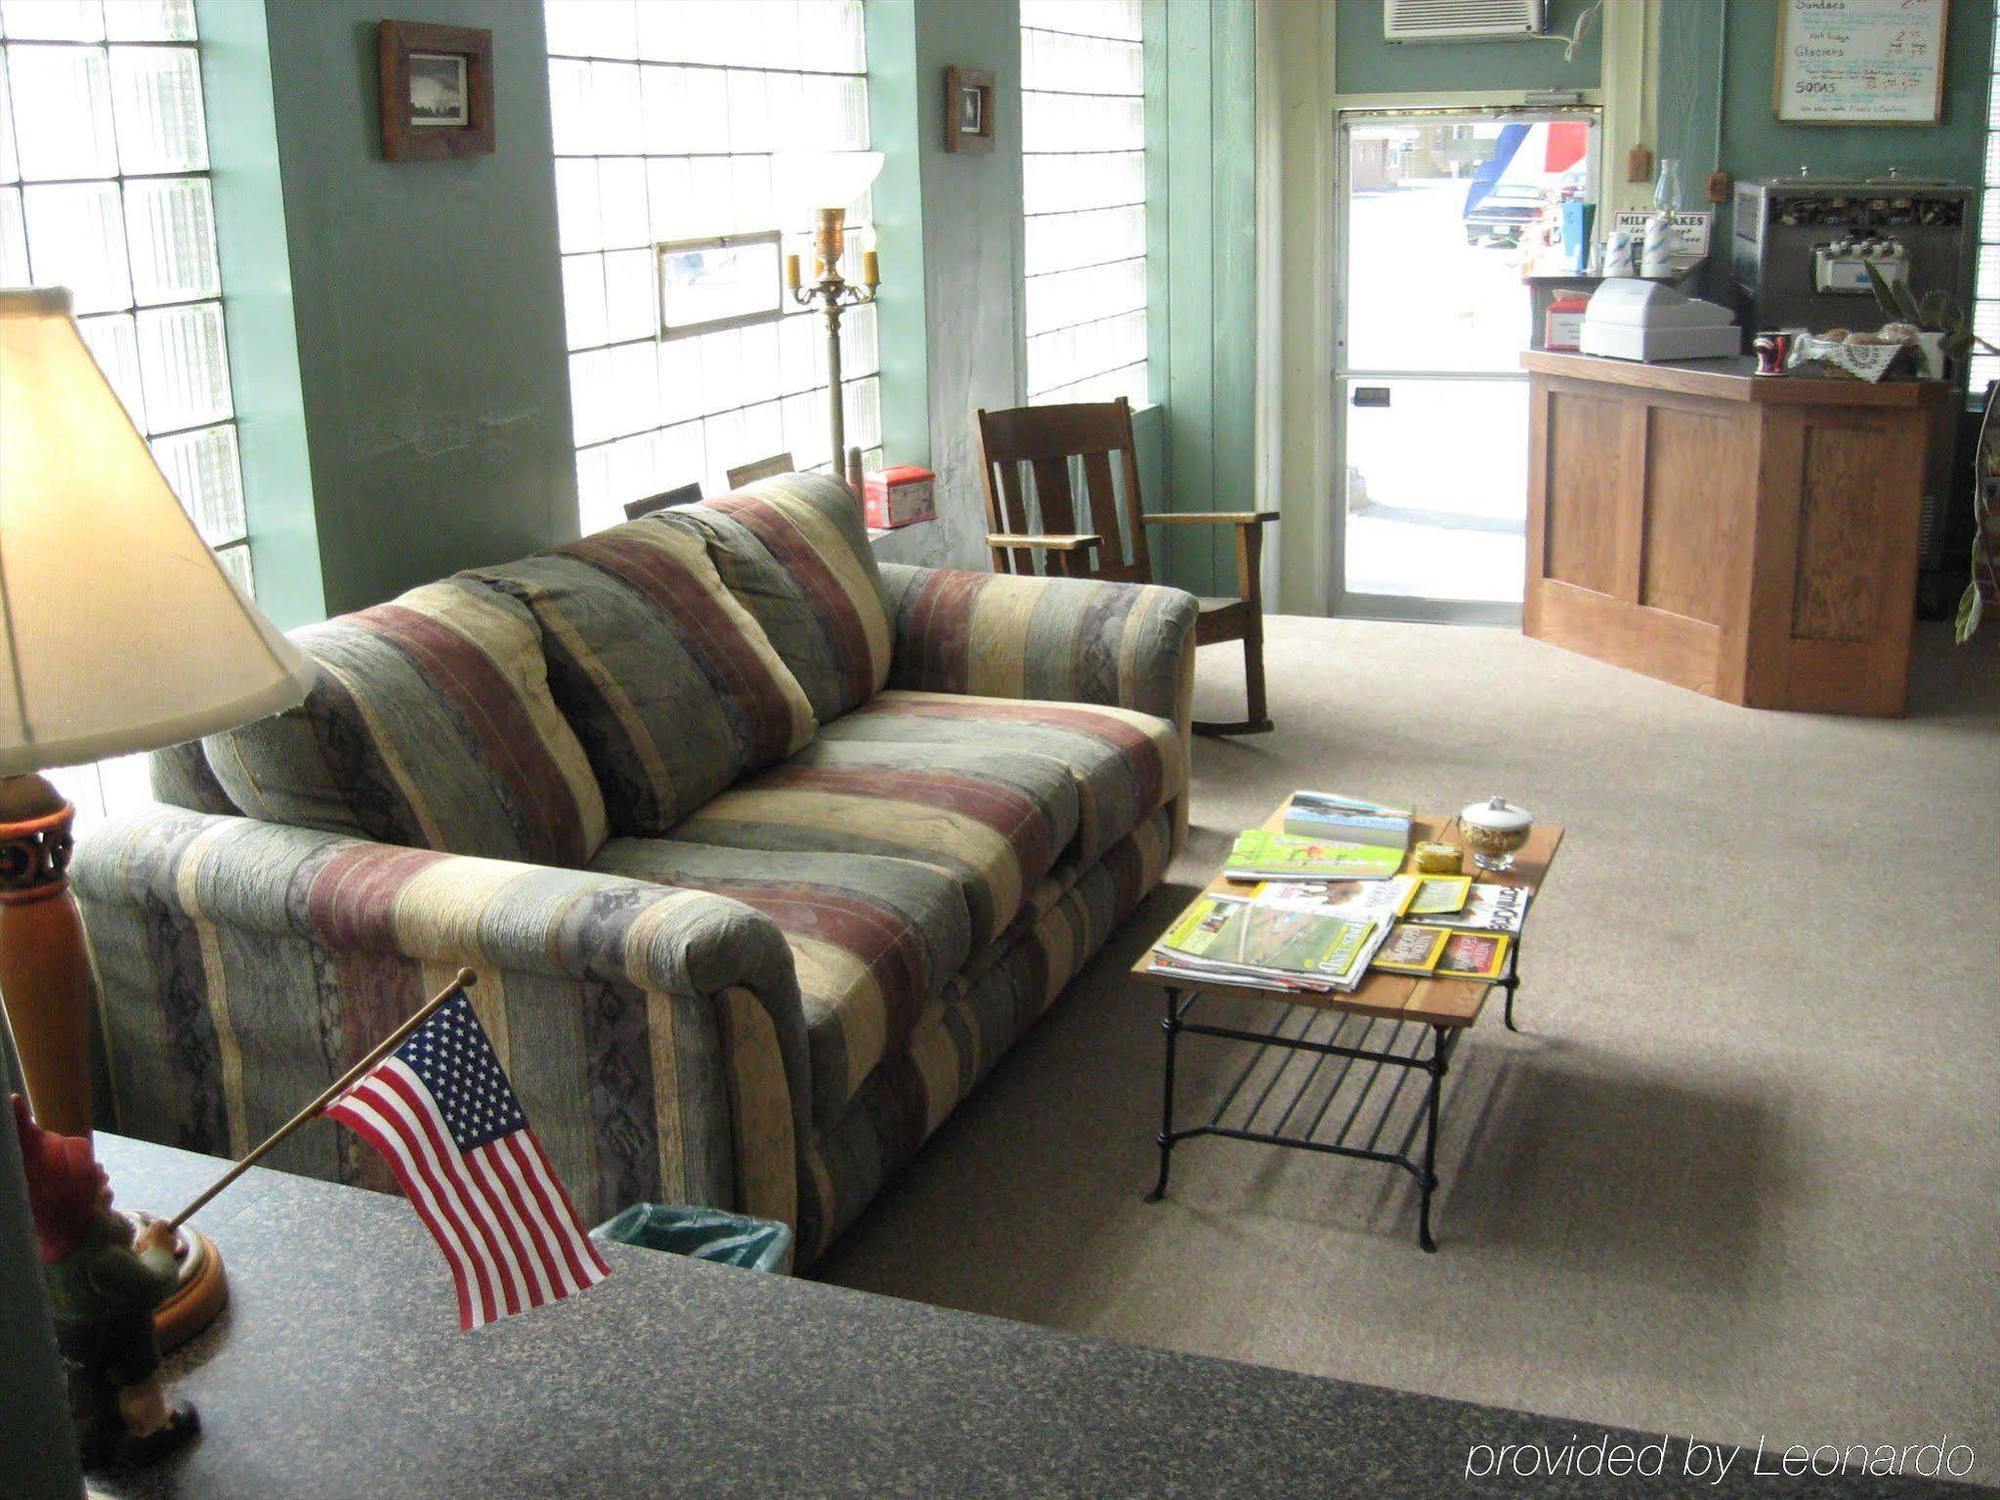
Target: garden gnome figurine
(103,1284)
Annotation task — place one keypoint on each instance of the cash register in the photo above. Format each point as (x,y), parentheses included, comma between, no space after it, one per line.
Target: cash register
(1648,320)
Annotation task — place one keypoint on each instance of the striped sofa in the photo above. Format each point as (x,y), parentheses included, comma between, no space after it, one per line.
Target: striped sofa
(764,853)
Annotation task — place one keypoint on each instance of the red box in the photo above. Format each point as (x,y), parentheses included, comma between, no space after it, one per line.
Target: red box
(899,496)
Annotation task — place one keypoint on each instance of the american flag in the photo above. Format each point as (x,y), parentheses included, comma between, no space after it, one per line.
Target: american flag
(440,1110)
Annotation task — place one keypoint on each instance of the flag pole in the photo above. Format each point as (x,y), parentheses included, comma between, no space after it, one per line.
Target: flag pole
(465,980)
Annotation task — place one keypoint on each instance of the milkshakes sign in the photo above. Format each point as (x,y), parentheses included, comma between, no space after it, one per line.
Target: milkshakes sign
(1693,1462)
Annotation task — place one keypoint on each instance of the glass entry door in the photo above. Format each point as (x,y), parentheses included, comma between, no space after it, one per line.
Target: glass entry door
(1432,410)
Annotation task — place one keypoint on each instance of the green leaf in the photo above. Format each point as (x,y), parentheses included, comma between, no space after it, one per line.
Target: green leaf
(1912,310)
(1970,607)
(1885,299)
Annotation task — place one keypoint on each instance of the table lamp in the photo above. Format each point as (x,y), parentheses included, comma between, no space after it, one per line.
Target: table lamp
(821,186)
(119,632)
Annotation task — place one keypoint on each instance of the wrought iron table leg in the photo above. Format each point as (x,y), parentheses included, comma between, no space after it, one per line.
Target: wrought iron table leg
(1429,1181)
(1172,1025)
(1511,983)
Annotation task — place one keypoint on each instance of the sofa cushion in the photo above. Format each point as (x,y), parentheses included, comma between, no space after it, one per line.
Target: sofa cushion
(1125,764)
(429,723)
(875,941)
(995,820)
(794,550)
(965,1031)
(671,686)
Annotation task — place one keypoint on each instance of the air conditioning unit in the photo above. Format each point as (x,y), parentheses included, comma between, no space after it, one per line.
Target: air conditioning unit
(1463,20)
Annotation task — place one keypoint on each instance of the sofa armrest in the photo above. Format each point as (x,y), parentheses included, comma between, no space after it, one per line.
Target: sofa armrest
(654,1034)
(1076,640)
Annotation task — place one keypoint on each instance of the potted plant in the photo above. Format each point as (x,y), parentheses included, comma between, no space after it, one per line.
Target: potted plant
(1937,312)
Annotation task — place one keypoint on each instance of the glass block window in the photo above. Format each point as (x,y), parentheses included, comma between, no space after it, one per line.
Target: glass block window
(104,189)
(1982,367)
(666,120)
(1084,183)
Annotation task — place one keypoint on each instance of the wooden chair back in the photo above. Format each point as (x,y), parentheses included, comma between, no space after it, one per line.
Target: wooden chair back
(686,494)
(1035,453)
(761,468)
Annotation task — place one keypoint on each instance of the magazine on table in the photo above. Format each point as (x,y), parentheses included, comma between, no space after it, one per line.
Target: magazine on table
(1239,941)
(1473,955)
(1330,817)
(1439,895)
(1259,855)
(1412,948)
(1384,899)
(1488,908)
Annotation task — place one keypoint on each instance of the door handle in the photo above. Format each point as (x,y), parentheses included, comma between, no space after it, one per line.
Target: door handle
(1371,395)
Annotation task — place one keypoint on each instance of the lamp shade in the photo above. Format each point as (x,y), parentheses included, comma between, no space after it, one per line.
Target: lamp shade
(805,181)
(119,631)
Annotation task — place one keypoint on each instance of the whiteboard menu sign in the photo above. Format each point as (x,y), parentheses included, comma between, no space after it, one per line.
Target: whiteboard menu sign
(1846,62)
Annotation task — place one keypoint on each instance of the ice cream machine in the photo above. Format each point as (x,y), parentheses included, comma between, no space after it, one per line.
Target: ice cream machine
(1801,249)
(1802,245)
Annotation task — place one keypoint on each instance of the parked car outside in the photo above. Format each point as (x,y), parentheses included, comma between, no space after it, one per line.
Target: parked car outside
(1500,216)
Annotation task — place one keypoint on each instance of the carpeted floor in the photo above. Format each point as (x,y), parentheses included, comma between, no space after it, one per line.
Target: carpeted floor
(1740,1173)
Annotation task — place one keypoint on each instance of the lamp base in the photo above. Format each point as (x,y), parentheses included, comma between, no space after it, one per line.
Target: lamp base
(200,1294)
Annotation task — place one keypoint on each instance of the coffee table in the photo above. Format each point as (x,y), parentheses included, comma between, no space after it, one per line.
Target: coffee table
(1391,1025)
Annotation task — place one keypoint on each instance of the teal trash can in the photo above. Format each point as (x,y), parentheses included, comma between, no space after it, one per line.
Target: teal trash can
(704,1233)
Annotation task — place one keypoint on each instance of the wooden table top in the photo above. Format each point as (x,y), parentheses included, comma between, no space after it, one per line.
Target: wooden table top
(1448,1001)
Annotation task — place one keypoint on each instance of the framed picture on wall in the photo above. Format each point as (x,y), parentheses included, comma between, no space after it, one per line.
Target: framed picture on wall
(968,109)
(435,90)
(1861,62)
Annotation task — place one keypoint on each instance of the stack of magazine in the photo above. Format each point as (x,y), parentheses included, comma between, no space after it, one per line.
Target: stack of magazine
(1268,945)
(1303,935)
(1327,836)
(1324,936)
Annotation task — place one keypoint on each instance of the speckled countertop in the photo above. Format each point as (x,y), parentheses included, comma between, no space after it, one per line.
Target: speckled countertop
(338,1370)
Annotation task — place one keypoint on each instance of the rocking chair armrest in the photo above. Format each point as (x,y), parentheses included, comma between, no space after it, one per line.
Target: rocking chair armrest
(1059,543)
(1210,518)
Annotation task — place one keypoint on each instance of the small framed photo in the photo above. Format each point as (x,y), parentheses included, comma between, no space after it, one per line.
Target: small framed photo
(435,90)
(968,109)
(1474,955)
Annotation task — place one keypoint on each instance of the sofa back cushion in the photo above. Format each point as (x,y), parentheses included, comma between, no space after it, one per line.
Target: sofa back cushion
(794,551)
(430,724)
(181,778)
(671,686)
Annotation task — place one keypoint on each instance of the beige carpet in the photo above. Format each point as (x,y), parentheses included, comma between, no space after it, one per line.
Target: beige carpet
(1740,1174)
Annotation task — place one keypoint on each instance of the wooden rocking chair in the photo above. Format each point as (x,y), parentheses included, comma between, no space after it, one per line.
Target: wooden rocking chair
(1108,540)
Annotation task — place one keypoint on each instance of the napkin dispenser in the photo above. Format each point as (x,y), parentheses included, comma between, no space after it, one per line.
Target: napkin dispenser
(1648,320)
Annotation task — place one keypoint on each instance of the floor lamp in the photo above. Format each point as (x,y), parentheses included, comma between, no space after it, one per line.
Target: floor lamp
(825,185)
(119,632)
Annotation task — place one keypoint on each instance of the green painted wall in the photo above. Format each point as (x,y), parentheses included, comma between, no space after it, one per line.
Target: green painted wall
(399,347)
(1754,144)
(895,104)
(263,339)
(1201,209)
(969,207)
(1717,60)
(1691,72)
(428,307)
(1366,64)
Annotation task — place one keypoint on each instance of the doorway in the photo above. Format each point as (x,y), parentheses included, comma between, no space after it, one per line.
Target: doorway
(1434,215)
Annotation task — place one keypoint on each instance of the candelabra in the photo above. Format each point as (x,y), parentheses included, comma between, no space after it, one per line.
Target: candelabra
(819,187)
(835,294)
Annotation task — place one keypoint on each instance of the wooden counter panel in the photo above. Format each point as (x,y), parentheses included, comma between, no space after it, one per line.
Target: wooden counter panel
(1752,540)
(1842,535)
(1695,514)
(1580,531)
(1670,647)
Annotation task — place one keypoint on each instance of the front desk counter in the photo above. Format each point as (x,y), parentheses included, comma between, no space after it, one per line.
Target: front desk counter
(1752,538)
